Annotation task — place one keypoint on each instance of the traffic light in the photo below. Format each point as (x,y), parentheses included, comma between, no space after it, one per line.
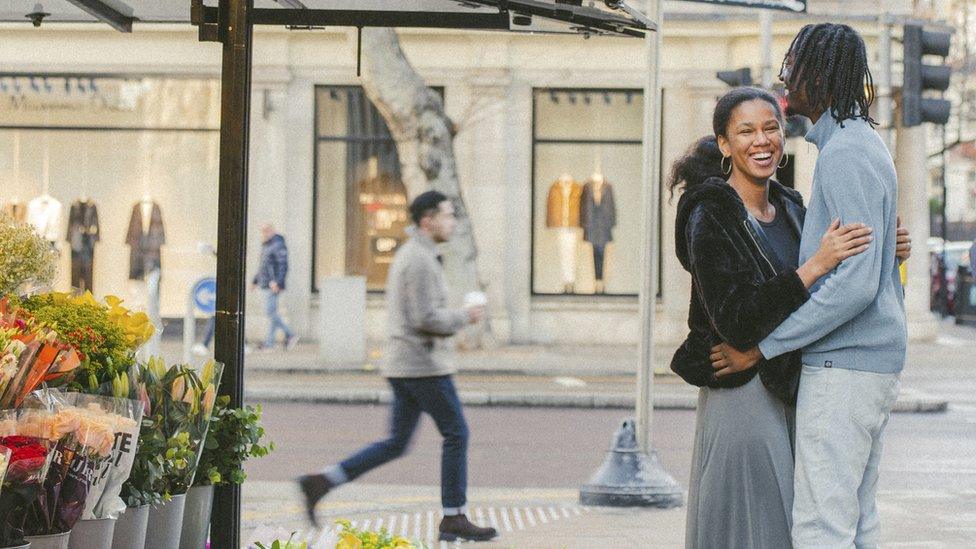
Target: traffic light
(919,77)
(736,78)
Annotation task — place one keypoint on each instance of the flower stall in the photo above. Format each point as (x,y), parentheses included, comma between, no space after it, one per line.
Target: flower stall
(97,449)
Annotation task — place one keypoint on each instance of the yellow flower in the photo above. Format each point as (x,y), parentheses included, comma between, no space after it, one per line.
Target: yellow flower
(349,541)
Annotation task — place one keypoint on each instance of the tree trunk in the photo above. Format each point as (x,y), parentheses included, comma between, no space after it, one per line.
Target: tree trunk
(424,138)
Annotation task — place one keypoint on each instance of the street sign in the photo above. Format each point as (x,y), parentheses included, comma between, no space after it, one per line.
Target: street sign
(205,295)
(795,6)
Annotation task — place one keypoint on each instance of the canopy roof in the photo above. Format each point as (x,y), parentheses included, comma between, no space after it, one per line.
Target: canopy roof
(524,15)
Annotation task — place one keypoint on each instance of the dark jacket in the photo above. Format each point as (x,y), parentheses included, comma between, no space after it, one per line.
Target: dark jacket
(83,230)
(144,254)
(740,292)
(274,263)
(598,220)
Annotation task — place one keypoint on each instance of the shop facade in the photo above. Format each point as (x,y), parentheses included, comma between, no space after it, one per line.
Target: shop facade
(548,151)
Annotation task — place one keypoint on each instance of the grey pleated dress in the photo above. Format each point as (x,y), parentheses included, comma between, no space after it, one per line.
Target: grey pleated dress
(741,489)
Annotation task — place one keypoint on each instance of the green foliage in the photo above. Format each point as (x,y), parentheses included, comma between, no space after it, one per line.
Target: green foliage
(179,403)
(86,326)
(25,258)
(235,435)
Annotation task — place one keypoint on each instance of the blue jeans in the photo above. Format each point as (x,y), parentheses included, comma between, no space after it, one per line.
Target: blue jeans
(271,310)
(437,397)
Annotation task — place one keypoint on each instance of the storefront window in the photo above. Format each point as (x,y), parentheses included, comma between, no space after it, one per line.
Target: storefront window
(98,163)
(360,202)
(587,194)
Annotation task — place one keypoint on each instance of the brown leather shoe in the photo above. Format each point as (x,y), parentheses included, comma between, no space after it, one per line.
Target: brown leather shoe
(458,527)
(314,488)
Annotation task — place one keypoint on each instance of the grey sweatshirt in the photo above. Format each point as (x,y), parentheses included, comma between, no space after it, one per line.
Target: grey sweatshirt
(419,320)
(855,317)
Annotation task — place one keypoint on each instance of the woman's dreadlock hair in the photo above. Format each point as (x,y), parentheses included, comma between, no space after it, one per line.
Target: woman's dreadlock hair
(831,64)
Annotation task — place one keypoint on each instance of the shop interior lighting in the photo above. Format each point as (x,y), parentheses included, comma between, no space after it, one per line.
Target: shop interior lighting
(553,97)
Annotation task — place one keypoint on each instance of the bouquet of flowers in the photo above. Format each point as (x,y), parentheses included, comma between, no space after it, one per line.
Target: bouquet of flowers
(105,334)
(103,495)
(26,259)
(178,403)
(352,538)
(30,457)
(84,434)
(30,355)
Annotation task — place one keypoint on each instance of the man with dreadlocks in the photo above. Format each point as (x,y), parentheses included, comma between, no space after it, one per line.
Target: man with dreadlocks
(852,330)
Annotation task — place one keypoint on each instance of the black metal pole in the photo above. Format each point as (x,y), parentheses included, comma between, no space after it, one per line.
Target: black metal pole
(943,281)
(234,30)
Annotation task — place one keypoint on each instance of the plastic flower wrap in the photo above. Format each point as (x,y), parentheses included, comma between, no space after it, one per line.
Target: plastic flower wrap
(177,404)
(103,496)
(83,428)
(4,461)
(30,355)
(25,433)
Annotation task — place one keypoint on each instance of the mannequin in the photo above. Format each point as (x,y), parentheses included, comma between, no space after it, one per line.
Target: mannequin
(83,233)
(145,237)
(598,216)
(563,216)
(44,213)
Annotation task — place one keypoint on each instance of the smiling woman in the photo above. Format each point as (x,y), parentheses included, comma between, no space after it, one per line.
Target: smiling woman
(738,234)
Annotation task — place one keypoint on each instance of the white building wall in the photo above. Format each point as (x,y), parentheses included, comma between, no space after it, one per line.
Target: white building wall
(488,80)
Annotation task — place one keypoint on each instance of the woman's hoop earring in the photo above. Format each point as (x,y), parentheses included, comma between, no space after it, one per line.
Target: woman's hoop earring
(784,162)
(728,171)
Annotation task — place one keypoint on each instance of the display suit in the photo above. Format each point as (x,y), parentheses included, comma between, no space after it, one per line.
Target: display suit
(598,217)
(145,241)
(563,215)
(83,233)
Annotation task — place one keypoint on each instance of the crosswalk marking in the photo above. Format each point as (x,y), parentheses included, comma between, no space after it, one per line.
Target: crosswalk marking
(518,518)
(542,515)
(505,521)
(422,524)
(492,519)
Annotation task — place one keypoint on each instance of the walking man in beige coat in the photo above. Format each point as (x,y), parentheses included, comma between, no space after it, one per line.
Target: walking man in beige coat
(419,369)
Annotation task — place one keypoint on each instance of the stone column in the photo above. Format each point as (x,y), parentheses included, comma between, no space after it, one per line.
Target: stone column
(687,117)
(518,213)
(913,207)
(478,106)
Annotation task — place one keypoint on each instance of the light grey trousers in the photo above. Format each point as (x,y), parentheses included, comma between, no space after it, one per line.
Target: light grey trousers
(841,417)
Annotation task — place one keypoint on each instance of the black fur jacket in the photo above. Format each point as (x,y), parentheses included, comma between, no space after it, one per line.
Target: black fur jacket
(740,292)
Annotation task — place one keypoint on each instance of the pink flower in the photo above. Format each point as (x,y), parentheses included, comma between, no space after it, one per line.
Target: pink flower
(144,398)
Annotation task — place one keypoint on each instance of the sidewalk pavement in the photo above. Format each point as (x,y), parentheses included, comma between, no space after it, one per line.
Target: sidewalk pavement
(553,518)
(573,376)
